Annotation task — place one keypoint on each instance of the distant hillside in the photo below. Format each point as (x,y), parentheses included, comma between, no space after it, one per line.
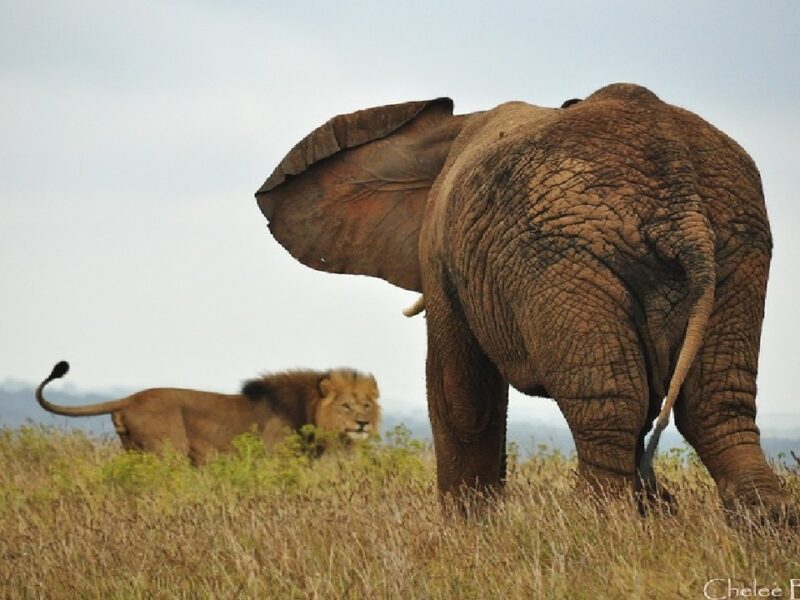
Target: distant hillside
(19,407)
(531,435)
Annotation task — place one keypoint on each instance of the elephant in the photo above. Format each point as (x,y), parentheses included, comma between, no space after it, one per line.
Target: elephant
(611,254)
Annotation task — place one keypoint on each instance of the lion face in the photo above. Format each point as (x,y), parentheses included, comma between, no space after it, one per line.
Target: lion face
(349,404)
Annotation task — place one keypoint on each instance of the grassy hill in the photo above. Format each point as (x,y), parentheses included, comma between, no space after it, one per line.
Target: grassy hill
(79,518)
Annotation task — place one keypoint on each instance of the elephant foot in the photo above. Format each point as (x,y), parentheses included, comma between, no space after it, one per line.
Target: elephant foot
(758,500)
(602,486)
(468,503)
(649,495)
(762,511)
(751,492)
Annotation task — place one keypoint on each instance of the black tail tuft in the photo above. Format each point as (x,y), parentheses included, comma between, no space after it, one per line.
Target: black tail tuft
(646,462)
(59,370)
(570,102)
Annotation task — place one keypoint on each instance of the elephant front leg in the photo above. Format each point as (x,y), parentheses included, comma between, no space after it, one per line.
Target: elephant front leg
(467,404)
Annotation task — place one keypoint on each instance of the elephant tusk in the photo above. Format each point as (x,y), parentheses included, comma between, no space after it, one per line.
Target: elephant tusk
(416,308)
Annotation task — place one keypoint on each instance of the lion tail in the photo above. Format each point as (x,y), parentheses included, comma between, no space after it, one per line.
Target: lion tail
(91,410)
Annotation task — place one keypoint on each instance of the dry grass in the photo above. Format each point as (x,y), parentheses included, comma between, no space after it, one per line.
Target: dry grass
(81,519)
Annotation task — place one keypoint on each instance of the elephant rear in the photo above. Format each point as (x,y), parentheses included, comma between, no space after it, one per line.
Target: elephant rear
(604,254)
(621,187)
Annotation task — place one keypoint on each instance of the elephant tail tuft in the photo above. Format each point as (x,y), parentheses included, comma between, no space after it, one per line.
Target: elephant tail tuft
(689,239)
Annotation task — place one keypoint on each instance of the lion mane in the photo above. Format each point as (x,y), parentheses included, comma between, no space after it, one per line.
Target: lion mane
(340,400)
(199,424)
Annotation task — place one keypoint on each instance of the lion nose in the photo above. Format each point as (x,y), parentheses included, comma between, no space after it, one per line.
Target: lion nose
(362,425)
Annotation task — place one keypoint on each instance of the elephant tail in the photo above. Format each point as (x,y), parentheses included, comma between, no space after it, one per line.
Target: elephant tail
(90,410)
(689,240)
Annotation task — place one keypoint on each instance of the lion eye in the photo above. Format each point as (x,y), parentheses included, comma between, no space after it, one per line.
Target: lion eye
(346,406)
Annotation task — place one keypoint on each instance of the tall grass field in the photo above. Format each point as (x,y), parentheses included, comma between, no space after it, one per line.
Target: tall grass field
(80,518)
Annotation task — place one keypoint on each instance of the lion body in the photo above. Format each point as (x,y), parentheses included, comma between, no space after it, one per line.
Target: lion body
(199,424)
(195,423)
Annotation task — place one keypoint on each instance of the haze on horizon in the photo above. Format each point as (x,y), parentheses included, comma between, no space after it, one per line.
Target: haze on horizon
(134,136)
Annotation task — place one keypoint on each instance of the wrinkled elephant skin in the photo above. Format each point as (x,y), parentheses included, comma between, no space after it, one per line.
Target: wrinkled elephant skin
(606,254)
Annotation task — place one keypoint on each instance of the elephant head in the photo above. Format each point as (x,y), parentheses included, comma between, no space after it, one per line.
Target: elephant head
(606,254)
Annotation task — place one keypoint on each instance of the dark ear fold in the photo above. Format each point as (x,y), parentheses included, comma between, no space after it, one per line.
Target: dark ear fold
(350,197)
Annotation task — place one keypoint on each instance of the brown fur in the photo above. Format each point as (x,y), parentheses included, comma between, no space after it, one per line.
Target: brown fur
(198,424)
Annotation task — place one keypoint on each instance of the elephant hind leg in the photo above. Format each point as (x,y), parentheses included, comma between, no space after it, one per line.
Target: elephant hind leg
(467,404)
(587,350)
(605,444)
(716,410)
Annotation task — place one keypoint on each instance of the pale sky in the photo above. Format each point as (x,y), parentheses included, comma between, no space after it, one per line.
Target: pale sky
(133,135)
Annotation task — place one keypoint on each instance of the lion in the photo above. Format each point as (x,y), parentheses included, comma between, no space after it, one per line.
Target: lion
(199,424)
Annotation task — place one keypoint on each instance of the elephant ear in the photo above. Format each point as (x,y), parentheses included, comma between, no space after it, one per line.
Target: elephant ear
(350,197)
